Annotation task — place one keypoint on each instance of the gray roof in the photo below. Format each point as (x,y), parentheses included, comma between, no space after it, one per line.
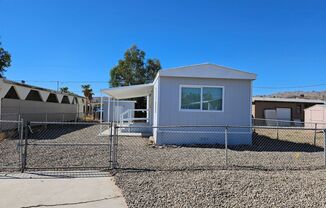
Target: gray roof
(322,106)
(207,70)
(39,88)
(287,100)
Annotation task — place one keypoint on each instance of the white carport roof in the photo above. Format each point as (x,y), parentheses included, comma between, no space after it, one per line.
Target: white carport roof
(129,91)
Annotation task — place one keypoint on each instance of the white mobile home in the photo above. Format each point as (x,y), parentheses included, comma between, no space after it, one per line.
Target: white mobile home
(196,95)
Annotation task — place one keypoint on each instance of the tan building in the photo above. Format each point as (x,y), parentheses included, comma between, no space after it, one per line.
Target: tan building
(288,109)
(32,103)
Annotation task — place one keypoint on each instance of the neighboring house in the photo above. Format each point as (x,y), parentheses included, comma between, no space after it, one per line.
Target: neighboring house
(196,95)
(315,114)
(287,109)
(31,103)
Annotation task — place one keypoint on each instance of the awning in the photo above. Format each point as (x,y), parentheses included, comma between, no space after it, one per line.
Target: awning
(129,91)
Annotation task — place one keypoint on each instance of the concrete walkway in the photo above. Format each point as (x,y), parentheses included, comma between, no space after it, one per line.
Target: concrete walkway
(28,191)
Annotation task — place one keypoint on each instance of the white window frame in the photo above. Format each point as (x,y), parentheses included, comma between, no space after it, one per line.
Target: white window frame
(201,98)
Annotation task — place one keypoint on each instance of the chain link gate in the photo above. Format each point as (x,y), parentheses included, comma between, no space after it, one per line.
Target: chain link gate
(67,146)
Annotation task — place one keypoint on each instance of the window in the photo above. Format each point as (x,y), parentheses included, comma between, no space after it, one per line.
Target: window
(190,98)
(207,98)
(212,98)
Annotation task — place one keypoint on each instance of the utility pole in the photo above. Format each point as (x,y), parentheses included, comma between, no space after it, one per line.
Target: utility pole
(58,85)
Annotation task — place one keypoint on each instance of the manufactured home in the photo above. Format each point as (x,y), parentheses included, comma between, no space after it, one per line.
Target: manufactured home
(196,95)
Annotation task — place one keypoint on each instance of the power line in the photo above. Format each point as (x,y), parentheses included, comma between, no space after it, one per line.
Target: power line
(62,81)
(84,82)
(101,82)
(290,87)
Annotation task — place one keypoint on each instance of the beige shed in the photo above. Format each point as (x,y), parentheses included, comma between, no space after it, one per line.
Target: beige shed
(316,114)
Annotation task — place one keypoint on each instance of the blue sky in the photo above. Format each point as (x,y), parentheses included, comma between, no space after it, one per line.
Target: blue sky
(71,41)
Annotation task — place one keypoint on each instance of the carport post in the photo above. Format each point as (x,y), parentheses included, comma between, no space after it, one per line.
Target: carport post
(101,110)
(226,144)
(109,105)
(101,107)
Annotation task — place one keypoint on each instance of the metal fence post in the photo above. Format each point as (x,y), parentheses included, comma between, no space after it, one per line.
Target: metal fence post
(325,147)
(226,144)
(24,161)
(21,137)
(315,135)
(110,145)
(277,130)
(114,149)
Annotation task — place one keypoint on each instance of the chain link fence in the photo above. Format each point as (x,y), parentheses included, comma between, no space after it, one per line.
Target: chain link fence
(216,147)
(88,145)
(11,145)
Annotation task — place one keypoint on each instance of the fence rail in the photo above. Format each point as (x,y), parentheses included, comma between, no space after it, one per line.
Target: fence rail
(287,123)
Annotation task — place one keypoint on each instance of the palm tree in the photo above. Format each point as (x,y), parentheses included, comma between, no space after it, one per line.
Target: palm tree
(88,93)
(64,90)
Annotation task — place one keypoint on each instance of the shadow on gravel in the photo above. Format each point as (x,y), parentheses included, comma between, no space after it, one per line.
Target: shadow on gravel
(260,143)
(266,144)
(51,132)
(215,168)
(55,174)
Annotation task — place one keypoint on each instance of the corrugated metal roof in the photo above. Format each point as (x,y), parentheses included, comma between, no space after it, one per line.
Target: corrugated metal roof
(38,88)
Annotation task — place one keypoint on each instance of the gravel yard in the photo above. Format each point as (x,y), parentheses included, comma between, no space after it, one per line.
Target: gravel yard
(9,155)
(270,173)
(137,153)
(58,146)
(224,188)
